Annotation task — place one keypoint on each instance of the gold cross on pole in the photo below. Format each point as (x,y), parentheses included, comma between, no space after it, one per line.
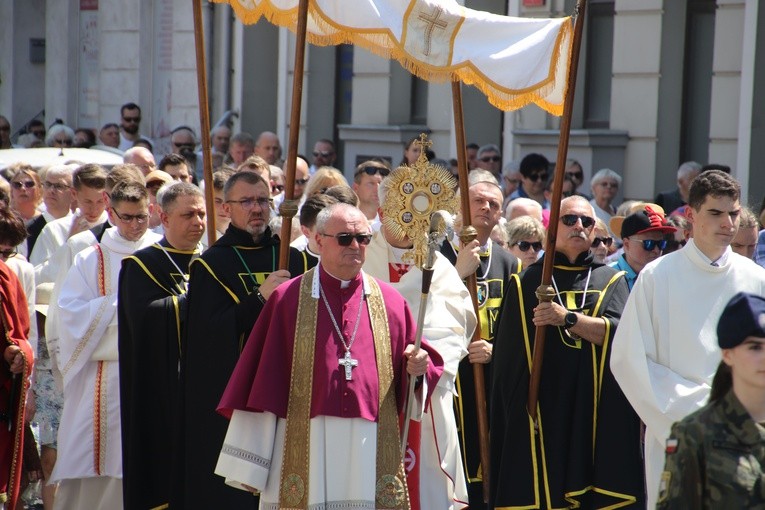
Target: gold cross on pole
(432,22)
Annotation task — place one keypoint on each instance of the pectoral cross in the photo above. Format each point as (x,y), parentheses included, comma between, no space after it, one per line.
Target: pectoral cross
(349,364)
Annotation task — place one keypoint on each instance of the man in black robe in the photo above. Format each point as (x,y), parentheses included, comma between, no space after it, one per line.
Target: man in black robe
(581,454)
(492,266)
(228,288)
(152,311)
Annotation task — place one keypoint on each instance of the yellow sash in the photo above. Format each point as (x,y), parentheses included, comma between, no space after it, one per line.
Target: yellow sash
(391,491)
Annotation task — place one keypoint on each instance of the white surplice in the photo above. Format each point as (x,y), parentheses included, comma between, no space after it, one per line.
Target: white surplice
(449,324)
(665,351)
(89,439)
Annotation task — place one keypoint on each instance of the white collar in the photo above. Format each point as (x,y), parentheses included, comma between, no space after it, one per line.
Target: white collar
(315,284)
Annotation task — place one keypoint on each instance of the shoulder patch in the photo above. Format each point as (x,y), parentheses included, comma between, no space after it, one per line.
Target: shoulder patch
(671,446)
(666,476)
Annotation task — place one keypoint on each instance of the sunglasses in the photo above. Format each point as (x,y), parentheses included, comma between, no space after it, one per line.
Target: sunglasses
(66,141)
(608,184)
(347,239)
(525,245)
(607,241)
(575,175)
(650,244)
(23,184)
(535,177)
(371,170)
(493,159)
(570,220)
(323,154)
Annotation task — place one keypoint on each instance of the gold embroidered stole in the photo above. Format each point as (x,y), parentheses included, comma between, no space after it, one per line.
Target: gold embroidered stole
(390,491)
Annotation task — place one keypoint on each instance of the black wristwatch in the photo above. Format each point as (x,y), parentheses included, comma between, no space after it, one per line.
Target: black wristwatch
(570,320)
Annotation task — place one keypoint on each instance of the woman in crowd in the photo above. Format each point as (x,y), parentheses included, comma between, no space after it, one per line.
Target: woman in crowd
(526,238)
(715,458)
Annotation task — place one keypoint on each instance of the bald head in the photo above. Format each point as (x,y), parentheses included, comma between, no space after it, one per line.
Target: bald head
(140,157)
(523,207)
(267,147)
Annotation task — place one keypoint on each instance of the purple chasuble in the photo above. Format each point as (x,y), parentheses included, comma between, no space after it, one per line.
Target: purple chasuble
(261,379)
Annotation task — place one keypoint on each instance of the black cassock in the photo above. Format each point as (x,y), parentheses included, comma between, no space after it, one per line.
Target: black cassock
(223,307)
(588,449)
(152,311)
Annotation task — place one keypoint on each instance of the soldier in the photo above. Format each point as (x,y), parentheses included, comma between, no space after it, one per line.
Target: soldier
(715,456)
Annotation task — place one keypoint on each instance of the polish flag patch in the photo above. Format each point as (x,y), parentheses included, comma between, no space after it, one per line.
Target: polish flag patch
(671,446)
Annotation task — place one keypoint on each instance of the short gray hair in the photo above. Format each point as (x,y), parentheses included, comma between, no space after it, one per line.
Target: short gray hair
(327,213)
(480,175)
(169,193)
(56,129)
(489,147)
(688,167)
(524,227)
(606,173)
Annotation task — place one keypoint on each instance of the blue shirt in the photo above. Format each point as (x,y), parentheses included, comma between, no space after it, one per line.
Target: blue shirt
(621,265)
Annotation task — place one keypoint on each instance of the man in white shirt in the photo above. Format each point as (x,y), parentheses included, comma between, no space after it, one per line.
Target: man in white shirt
(665,351)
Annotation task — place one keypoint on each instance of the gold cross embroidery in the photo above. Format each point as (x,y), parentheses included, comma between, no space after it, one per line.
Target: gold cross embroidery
(432,21)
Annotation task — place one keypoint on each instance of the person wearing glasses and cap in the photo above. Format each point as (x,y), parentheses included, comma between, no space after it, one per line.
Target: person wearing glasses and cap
(715,457)
(89,461)
(665,351)
(314,400)
(229,286)
(644,236)
(563,463)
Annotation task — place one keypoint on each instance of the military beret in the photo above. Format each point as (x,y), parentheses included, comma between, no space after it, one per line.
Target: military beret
(743,316)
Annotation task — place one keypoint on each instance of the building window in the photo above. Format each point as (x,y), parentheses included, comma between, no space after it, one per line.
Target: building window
(600,43)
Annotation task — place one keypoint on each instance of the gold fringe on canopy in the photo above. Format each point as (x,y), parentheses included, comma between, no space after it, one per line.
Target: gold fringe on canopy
(513,61)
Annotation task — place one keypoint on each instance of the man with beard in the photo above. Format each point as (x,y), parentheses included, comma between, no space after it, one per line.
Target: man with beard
(152,312)
(586,449)
(130,123)
(228,288)
(492,266)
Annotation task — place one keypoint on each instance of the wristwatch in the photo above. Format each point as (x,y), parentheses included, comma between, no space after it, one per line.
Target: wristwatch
(570,320)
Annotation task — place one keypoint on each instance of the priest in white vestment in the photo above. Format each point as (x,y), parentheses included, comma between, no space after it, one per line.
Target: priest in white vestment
(337,443)
(89,464)
(665,351)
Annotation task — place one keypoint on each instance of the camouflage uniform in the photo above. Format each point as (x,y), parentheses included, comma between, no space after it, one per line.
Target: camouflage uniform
(715,459)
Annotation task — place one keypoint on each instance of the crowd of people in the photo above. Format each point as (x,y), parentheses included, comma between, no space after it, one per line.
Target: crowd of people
(167,372)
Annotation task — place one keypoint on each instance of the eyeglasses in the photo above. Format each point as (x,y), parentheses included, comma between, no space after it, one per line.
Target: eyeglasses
(302,182)
(323,154)
(535,177)
(570,220)
(575,175)
(130,218)
(608,184)
(607,241)
(650,244)
(277,188)
(493,159)
(372,170)
(66,141)
(55,186)
(5,128)
(249,203)
(525,245)
(135,120)
(347,239)
(6,254)
(24,184)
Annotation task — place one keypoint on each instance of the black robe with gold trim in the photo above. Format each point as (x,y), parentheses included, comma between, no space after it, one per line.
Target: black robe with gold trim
(492,275)
(587,451)
(151,314)
(223,307)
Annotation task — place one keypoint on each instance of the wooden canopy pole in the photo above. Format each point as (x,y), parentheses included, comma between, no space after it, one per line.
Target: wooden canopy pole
(204,121)
(467,235)
(289,207)
(545,292)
